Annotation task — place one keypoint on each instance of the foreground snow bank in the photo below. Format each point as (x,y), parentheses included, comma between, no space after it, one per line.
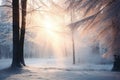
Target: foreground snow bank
(58,64)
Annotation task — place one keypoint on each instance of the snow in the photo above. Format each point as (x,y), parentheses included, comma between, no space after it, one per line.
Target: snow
(66,65)
(31,73)
(61,64)
(4,63)
(48,69)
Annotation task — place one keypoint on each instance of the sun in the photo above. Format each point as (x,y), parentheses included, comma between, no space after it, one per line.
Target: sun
(51,23)
(48,23)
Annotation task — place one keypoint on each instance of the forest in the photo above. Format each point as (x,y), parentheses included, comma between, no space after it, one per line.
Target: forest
(67,35)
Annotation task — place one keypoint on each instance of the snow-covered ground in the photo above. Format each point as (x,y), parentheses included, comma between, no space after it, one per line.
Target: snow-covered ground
(38,74)
(49,69)
(4,63)
(58,64)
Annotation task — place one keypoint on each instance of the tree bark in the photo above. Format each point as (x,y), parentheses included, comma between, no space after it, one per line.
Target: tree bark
(18,35)
(22,34)
(15,12)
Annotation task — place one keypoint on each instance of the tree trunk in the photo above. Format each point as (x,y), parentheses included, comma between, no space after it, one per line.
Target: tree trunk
(18,37)
(22,34)
(73,46)
(72,33)
(116,64)
(16,58)
(116,45)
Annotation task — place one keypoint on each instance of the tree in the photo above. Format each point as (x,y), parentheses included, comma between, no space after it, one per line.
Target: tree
(99,13)
(16,26)
(18,35)
(73,40)
(22,34)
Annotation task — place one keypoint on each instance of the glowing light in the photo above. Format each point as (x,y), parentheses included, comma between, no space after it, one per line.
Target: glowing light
(49,24)
(52,23)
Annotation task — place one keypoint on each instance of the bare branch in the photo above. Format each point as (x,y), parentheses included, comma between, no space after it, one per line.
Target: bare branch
(9,6)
